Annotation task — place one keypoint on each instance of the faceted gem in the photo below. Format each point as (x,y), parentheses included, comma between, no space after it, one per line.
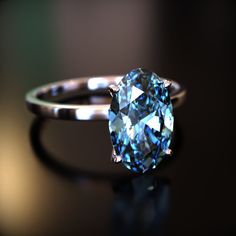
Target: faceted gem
(141,120)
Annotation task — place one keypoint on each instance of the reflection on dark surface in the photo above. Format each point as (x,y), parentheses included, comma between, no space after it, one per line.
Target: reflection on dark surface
(74,173)
(68,171)
(141,206)
(141,202)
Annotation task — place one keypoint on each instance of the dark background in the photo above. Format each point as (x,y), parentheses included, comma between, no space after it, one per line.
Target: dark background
(71,188)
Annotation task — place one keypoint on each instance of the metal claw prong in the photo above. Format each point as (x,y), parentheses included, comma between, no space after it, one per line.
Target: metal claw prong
(113,89)
(115,158)
(168,152)
(167,83)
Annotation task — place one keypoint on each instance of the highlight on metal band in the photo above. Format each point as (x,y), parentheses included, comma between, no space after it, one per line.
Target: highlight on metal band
(46,100)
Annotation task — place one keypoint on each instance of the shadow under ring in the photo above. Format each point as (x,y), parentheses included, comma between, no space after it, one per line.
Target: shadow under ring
(75,173)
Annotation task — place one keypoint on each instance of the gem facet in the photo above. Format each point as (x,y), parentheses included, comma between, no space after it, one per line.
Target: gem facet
(141,120)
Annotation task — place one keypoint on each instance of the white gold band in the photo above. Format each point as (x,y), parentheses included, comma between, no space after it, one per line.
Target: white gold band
(39,100)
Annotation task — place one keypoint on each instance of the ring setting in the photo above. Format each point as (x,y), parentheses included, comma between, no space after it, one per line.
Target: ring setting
(140,115)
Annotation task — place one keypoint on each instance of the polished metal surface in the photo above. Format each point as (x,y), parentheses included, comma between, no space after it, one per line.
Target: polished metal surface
(39,100)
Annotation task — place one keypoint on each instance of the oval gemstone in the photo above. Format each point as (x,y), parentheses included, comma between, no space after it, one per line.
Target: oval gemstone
(141,120)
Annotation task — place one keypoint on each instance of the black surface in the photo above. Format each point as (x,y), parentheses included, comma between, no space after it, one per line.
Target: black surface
(61,182)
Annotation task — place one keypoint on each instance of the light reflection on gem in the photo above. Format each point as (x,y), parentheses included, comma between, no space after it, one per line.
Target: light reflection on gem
(141,120)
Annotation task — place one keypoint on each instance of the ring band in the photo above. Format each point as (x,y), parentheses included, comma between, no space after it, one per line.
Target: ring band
(39,100)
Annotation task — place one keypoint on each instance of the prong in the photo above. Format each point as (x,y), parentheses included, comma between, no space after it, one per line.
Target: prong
(113,89)
(169,152)
(167,83)
(115,158)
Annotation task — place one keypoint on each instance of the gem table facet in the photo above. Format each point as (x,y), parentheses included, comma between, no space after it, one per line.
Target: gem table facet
(141,120)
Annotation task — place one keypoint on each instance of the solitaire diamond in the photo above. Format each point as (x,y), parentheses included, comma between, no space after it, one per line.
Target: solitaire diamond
(141,120)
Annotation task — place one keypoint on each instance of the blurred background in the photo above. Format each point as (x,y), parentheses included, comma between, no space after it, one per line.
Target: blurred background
(56,177)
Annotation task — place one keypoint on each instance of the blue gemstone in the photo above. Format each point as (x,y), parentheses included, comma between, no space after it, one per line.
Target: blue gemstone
(141,120)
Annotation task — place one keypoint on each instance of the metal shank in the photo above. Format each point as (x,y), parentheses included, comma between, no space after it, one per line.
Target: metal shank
(38,99)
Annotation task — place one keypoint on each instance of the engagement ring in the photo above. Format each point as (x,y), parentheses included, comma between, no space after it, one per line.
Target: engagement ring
(140,115)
